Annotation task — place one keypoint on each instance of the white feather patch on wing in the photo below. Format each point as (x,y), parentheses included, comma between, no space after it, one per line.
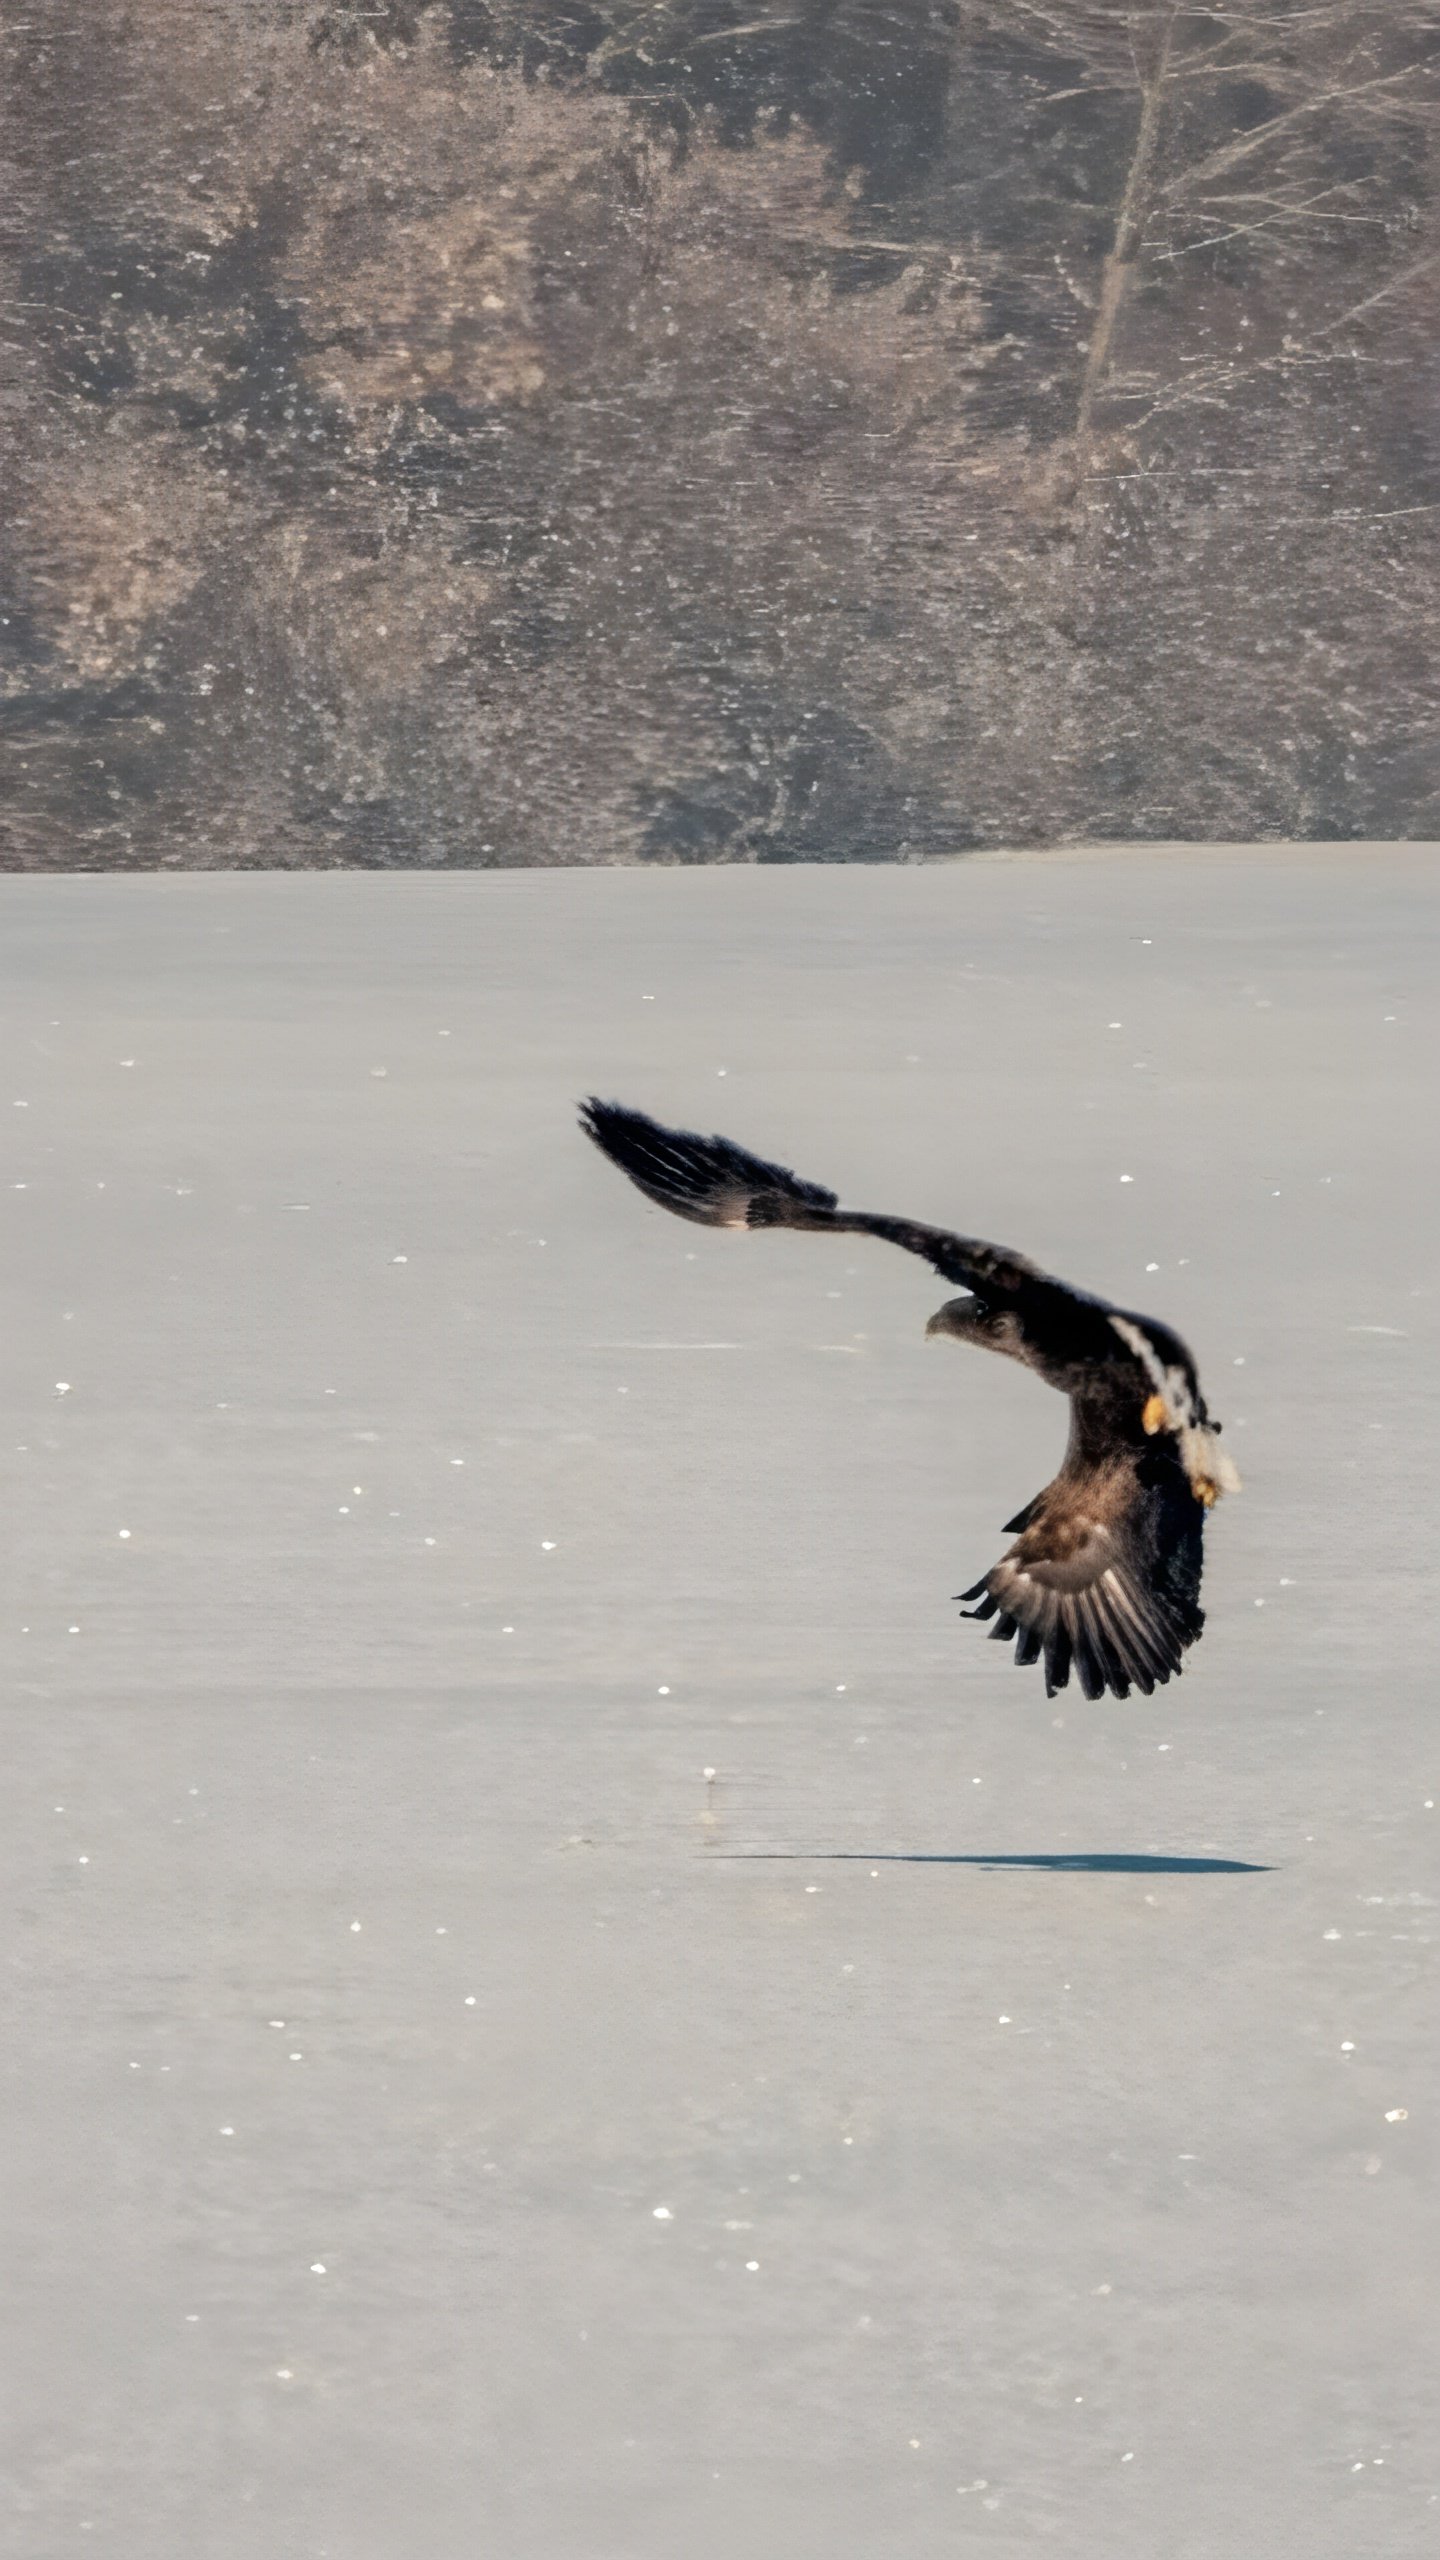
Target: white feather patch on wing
(1204,1461)
(1137,1340)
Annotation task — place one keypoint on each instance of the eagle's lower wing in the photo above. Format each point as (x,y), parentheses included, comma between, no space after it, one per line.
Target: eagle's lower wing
(1105,1575)
(721,1185)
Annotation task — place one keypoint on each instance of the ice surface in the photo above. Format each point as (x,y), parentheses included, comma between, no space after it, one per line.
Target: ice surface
(1155,2213)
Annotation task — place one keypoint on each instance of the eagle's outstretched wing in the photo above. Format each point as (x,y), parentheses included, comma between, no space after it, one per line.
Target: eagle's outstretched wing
(1105,1575)
(708,1179)
(721,1185)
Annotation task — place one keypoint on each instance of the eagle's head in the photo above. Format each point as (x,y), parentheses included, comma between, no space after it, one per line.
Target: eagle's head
(969,1320)
(1173,1404)
(956,1317)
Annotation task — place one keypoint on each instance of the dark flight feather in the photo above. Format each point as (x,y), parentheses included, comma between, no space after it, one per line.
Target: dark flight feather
(708,1179)
(1105,1574)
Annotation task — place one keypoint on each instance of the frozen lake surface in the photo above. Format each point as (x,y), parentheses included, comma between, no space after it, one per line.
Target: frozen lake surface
(442,2118)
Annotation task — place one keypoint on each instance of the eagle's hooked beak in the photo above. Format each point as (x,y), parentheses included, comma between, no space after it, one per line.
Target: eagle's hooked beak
(941,1322)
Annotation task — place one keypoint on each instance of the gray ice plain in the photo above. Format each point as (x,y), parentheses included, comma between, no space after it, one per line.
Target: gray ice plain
(442,2117)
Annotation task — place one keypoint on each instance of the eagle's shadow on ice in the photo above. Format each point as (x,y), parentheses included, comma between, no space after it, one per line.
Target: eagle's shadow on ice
(1093,1862)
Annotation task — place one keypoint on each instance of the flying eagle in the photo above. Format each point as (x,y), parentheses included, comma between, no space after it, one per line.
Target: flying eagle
(1104,1574)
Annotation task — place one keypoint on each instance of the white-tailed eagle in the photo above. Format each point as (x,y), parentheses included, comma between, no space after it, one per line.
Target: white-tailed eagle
(1104,1574)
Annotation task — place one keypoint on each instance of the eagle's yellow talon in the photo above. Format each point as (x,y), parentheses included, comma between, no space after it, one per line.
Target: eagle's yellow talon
(1155,1415)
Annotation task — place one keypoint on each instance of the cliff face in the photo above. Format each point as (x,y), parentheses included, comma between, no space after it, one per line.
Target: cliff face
(459,435)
